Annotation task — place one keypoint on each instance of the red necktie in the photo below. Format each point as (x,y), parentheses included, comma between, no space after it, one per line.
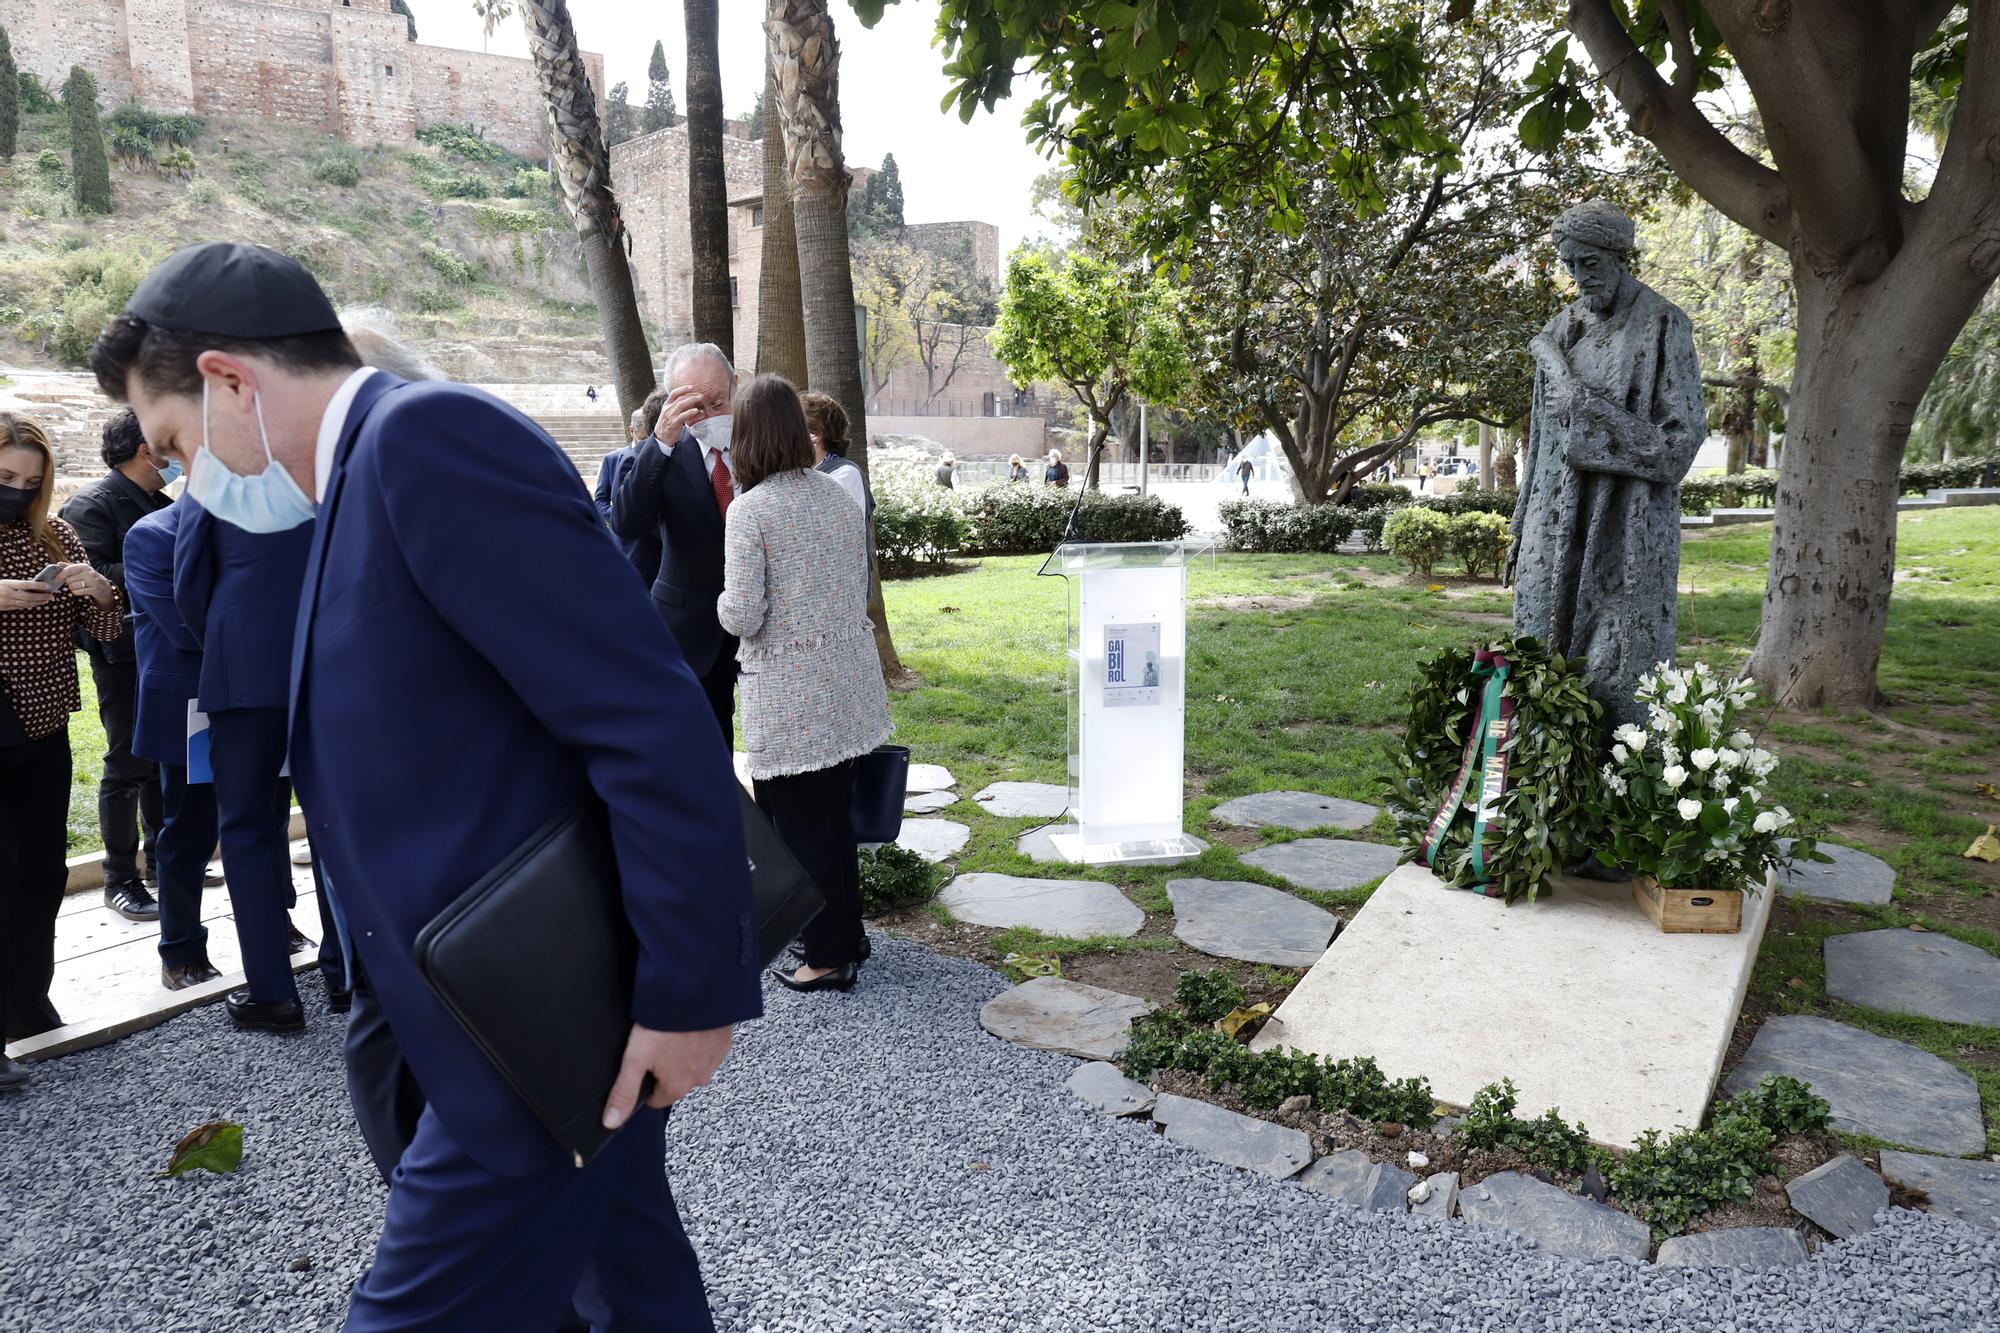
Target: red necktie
(725,491)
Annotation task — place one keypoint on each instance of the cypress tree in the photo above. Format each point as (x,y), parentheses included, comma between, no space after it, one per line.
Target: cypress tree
(10,98)
(889,197)
(619,123)
(660,109)
(87,162)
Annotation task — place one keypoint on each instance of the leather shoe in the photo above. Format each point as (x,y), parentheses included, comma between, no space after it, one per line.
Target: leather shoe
(842,978)
(339,998)
(132,902)
(198,973)
(264,1015)
(211,875)
(299,942)
(13,1075)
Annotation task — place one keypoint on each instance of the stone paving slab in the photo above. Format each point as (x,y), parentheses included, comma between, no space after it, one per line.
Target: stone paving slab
(1106,1091)
(1300,810)
(1073,908)
(1966,1190)
(1734,1247)
(1252,922)
(930,777)
(1232,1138)
(1877,1086)
(1553,1219)
(1024,800)
(933,839)
(1415,978)
(1039,845)
(1327,864)
(1841,1196)
(1057,1014)
(1915,972)
(929,802)
(1852,877)
(1373,1187)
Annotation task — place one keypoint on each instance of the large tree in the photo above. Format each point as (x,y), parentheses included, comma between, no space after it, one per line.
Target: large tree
(1102,331)
(1886,274)
(708,187)
(805,57)
(89,168)
(582,167)
(620,123)
(10,98)
(781,318)
(661,113)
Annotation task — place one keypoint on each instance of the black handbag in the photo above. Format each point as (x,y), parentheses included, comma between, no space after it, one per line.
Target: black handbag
(552,908)
(881,784)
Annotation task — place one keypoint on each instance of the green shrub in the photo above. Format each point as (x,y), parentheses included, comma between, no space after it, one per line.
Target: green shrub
(204,191)
(530,183)
(1419,536)
(96,282)
(1371,493)
(36,99)
(1029,520)
(129,147)
(1208,995)
(466,142)
(155,127)
(1546,1141)
(1265,525)
(1784,1105)
(50,168)
(177,163)
(498,221)
(1479,541)
(1369,522)
(436,300)
(1754,488)
(440,180)
(337,164)
(1670,1180)
(1472,502)
(88,166)
(894,877)
(450,265)
(1960,472)
(916,520)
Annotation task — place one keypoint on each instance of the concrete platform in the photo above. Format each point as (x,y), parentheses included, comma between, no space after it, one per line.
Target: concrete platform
(1578,998)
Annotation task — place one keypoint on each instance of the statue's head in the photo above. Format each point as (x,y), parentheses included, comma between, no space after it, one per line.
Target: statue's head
(1594,242)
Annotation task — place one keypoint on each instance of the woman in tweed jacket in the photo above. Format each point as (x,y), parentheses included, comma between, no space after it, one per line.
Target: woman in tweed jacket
(795,592)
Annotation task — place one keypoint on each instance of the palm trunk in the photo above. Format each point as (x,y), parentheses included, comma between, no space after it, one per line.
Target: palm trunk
(805,60)
(781,321)
(582,167)
(708,192)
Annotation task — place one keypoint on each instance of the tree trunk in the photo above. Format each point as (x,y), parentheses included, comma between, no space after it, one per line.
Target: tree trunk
(1833,544)
(1760,440)
(1093,455)
(582,167)
(805,61)
(708,191)
(781,321)
(1486,481)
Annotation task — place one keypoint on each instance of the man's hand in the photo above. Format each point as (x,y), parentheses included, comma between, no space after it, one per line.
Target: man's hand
(679,1062)
(682,408)
(21,594)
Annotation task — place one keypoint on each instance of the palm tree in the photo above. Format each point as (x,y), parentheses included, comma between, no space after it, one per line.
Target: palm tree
(781,326)
(708,192)
(805,60)
(582,167)
(492,12)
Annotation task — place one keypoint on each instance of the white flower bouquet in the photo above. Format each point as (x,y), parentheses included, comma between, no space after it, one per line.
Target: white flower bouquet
(1683,798)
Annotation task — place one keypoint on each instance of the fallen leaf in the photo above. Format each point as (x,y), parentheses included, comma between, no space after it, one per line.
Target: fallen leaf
(948,610)
(1232,1023)
(1797,983)
(1025,965)
(1988,790)
(1921,930)
(1857,783)
(216,1146)
(1433,587)
(1985,847)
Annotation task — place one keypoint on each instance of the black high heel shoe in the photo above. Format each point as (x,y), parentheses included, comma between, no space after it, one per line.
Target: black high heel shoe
(842,978)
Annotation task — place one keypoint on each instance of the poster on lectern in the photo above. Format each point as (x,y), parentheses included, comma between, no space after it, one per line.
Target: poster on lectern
(1132,665)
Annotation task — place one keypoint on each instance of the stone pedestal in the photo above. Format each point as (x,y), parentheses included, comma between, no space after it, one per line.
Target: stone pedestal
(1578,998)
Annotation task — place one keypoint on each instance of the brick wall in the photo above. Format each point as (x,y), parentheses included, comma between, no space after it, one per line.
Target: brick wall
(156,34)
(49,36)
(265,60)
(977,243)
(650,175)
(375,81)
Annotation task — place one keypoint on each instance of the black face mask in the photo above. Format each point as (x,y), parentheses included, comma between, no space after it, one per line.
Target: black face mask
(14,502)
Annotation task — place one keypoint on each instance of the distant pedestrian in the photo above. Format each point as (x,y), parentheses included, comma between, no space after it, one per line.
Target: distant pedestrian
(591,394)
(1016,469)
(1246,469)
(947,476)
(1057,472)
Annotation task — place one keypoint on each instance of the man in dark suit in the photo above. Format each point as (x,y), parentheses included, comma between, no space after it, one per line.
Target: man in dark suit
(128,793)
(169,679)
(680,486)
(644,550)
(454,596)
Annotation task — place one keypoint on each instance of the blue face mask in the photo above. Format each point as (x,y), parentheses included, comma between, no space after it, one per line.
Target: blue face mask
(169,474)
(268,502)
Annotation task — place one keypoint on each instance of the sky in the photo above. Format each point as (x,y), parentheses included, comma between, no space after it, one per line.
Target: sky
(891,81)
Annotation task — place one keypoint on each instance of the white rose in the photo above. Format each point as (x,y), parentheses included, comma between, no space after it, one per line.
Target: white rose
(1761,762)
(1718,780)
(1669,753)
(1729,805)
(1741,740)
(1689,809)
(1728,758)
(1620,753)
(1767,822)
(1633,737)
(1674,776)
(1703,759)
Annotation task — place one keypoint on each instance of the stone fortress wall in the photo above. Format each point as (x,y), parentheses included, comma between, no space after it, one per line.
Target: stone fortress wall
(345,67)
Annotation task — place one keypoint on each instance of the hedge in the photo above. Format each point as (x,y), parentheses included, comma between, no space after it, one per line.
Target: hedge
(1029,520)
(1265,525)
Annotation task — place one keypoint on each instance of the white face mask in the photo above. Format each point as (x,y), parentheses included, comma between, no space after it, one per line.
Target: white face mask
(268,502)
(713,433)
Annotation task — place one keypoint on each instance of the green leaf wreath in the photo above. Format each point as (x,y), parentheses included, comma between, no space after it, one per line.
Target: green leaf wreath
(1556,745)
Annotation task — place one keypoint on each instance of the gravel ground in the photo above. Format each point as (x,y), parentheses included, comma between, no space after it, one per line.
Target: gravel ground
(936,1178)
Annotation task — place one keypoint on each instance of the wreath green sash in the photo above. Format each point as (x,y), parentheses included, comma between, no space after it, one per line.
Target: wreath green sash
(1485,761)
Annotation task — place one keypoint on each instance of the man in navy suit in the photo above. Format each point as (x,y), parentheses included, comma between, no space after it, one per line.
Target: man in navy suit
(238,592)
(644,550)
(169,658)
(456,594)
(679,487)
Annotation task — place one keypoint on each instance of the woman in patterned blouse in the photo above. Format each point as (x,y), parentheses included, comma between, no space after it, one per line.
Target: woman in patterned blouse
(38,692)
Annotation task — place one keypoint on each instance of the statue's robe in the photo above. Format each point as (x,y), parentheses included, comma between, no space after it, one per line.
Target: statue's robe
(1597,527)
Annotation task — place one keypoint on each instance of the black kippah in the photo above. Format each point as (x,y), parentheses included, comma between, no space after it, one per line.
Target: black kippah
(233,290)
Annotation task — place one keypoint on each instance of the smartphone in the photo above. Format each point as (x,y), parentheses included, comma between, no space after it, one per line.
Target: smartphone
(51,575)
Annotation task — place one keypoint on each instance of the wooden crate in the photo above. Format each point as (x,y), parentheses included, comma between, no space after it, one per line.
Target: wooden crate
(1689,911)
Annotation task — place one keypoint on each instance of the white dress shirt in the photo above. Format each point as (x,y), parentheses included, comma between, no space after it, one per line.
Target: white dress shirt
(708,454)
(332,426)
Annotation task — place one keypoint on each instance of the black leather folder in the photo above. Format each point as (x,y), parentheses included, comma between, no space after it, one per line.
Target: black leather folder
(552,909)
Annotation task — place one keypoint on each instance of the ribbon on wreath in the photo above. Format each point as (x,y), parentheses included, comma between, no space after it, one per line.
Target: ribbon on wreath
(1485,762)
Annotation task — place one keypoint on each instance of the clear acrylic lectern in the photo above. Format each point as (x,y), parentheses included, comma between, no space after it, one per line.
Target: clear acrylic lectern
(1127,700)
